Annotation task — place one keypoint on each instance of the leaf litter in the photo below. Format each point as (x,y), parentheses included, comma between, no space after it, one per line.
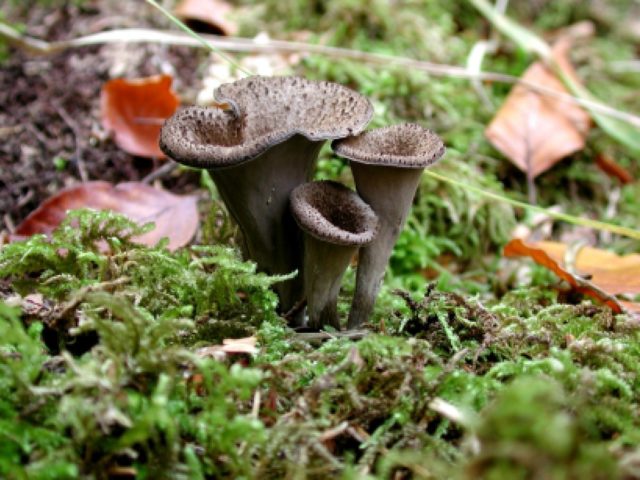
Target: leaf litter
(535,131)
(174,216)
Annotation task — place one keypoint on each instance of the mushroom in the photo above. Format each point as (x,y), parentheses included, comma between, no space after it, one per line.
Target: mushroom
(387,164)
(258,148)
(335,222)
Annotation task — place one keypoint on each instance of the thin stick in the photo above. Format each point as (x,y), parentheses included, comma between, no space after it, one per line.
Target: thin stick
(165,169)
(194,35)
(247,45)
(75,129)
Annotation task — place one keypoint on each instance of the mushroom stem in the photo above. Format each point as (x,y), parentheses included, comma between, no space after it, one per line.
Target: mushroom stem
(257,196)
(336,222)
(387,164)
(322,280)
(390,193)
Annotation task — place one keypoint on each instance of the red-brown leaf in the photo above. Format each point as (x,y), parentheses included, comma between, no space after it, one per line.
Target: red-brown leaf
(175,216)
(134,111)
(609,273)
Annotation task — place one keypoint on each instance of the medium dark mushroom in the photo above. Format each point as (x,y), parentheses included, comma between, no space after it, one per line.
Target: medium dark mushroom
(387,164)
(259,150)
(336,222)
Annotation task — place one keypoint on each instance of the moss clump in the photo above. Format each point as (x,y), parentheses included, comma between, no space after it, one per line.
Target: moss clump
(96,251)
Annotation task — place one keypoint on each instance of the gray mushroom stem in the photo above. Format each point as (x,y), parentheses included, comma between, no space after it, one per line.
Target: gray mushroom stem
(336,222)
(256,194)
(322,280)
(390,193)
(387,164)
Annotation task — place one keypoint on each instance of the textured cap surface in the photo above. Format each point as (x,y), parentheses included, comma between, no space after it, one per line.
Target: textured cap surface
(406,146)
(265,111)
(333,213)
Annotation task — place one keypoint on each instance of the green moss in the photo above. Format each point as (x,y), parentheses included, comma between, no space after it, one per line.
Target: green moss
(209,284)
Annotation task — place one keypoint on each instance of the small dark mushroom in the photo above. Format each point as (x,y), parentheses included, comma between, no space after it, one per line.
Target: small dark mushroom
(387,164)
(336,222)
(258,150)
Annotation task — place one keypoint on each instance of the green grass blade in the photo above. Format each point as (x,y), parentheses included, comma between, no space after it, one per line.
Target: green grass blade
(584,222)
(206,44)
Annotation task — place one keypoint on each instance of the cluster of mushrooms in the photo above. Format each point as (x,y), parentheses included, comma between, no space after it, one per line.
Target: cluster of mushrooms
(261,151)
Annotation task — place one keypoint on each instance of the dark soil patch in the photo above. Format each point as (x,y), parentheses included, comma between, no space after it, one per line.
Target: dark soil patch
(50,131)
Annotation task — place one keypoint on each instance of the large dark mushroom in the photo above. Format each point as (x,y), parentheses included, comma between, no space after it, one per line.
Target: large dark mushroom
(259,150)
(387,164)
(336,222)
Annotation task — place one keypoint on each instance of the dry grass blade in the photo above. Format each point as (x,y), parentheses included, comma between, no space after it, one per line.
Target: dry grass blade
(247,45)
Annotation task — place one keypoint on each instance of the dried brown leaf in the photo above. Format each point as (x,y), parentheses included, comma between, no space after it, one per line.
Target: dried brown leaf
(535,131)
(230,346)
(175,216)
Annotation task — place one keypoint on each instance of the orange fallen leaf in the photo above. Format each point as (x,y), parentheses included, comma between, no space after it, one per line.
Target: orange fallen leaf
(598,273)
(536,131)
(134,110)
(207,16)
(175,216)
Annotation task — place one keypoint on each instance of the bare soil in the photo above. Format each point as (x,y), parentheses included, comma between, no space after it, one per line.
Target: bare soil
(50,130)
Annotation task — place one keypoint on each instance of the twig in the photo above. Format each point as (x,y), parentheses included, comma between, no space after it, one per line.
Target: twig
(165,169)
(474,65)
(247,45)
(333,432)
(295,310)
(8,221)
(82,169)
(255,408)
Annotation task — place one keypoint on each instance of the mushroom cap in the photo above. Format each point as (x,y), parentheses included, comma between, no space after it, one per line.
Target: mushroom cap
(264,111)
(407,145)
(333,213)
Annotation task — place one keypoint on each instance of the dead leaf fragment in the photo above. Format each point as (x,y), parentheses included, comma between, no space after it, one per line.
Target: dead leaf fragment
(207,16)
(134,111)
(597,273)
(175,216)
(230,346)
(536,131)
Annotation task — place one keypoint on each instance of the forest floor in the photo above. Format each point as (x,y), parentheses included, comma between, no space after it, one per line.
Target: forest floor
(121,359)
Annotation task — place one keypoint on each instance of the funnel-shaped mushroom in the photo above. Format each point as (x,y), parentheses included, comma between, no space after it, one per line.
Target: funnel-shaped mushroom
(386,165)
(336,221)
(259,150)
